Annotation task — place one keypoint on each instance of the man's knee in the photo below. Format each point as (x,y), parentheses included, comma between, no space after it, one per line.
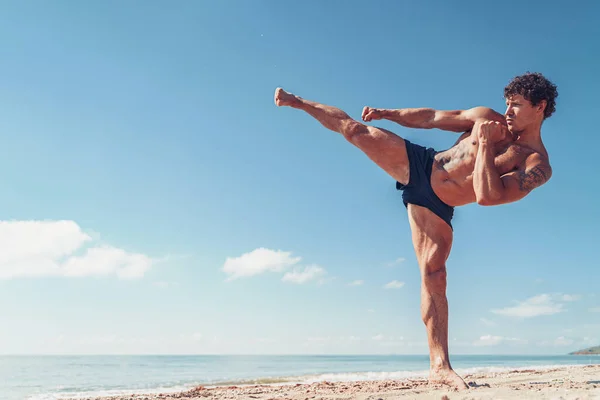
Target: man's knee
(434,277)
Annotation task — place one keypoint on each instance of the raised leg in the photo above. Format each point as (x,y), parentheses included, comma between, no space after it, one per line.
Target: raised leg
(385,148)
(432,240)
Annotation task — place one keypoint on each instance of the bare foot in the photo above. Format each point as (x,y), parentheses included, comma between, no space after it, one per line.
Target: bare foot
(447,377)
(283,98)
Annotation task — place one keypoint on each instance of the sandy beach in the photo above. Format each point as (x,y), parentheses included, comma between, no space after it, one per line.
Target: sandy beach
(565,383)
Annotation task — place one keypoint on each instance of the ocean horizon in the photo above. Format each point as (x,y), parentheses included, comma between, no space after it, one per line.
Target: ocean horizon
(53,377)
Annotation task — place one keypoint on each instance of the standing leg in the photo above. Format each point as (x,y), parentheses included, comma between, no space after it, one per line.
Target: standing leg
(432,240)
(385,148)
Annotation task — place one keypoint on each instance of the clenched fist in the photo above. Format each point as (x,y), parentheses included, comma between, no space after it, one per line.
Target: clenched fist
(492,131)
(369,114)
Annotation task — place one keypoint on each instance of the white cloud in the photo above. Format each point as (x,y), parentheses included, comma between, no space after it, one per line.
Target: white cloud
(397,261)
(370,310)
(558,342)
(388,341)
(324,280)
(421,345)
(264,340)
(392,343)
(264,260)
(197,336)
(356,283)
(563,341)
(321,340)
(100,339)
(309,273)
(393,285)
(106,261)
(318,339)
(487,322)
(490,340)
(534,306)
(257,262)
(595,309)
(164,284)
(570,297)
(47,248)
(588,341)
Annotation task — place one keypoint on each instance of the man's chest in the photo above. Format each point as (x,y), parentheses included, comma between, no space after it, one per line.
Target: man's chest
(510,157)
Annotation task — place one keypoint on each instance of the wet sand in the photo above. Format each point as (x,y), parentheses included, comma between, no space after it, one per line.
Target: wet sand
(565,383)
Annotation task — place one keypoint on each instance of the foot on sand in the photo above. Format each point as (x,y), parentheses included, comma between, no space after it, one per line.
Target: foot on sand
(283,98)
(447,377)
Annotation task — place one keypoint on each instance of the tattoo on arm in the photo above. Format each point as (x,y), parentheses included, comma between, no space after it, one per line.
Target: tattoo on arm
(532,178)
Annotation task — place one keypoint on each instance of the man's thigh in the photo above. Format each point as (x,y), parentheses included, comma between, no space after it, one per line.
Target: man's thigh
(386,149)
(432,238)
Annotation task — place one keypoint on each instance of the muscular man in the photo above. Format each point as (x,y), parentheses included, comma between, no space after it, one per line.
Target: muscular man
(497,160)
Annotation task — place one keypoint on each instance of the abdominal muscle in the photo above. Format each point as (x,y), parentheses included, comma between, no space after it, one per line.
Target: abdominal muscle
(452,172)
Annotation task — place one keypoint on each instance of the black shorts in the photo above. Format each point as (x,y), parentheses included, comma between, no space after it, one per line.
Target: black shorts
(418,191)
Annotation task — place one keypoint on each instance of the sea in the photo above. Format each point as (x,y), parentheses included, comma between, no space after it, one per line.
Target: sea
(58,377)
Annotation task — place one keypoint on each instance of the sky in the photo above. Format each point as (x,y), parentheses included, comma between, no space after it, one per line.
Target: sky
(154,200)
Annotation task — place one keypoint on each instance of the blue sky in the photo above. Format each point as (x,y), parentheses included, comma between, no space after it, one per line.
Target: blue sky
(145,165)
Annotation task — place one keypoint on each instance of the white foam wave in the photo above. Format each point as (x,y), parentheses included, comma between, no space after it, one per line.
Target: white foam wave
(305,379)
(107,393)
(399,375)
(495,370)
(363,376)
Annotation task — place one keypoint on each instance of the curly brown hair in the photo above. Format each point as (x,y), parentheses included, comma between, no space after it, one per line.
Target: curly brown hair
(535,88)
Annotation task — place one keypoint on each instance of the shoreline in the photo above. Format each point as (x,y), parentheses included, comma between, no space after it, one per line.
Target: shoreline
(557,382)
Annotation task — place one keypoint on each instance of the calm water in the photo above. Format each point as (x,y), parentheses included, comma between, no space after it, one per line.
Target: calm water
(56,377)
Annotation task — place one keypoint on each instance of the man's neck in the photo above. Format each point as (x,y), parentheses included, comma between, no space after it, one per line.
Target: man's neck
(532,138)
(530,135)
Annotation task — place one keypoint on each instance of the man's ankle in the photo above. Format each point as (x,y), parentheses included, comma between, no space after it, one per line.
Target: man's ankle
(439,363)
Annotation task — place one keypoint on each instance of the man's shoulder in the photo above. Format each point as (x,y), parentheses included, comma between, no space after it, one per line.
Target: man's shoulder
(532,155)
(540,160)
(484,113)
(535,172)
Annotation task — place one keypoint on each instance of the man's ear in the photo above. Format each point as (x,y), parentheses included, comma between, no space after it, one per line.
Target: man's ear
(541,106)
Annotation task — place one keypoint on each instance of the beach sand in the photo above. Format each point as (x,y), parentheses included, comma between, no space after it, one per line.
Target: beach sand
(565,383)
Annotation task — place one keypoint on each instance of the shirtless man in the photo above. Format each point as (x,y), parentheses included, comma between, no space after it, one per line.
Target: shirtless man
(498,159)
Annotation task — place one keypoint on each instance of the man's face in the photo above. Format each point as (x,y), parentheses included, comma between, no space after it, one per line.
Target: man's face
(520,113)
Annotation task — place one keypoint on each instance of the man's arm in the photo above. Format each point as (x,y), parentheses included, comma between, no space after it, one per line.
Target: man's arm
(429,118)
(492,189)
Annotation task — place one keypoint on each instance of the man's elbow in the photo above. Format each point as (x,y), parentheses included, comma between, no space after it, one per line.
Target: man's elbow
(487,201)
(500,198)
